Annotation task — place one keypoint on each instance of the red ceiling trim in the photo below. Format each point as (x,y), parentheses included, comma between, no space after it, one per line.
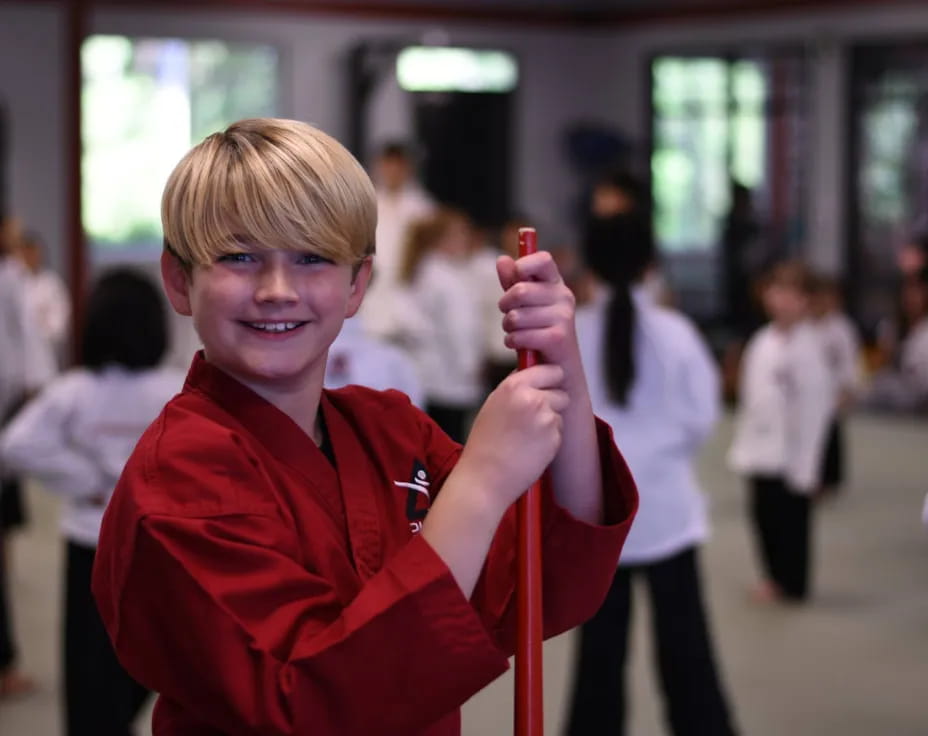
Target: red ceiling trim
(687,10)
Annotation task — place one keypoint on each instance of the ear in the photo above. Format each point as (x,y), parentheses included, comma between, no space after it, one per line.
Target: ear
(359,286)
(176,283)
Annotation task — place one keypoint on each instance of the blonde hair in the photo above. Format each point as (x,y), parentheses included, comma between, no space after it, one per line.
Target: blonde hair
(422,236)
(269,183)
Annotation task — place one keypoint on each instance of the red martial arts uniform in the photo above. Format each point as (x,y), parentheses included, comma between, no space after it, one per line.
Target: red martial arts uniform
(260,590)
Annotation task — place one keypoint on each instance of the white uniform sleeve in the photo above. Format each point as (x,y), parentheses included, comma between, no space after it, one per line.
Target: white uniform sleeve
(814,406)
(36,442)
(698,410)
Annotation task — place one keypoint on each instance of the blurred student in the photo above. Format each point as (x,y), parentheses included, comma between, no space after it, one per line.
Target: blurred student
(401,201)
(449,350)
(25,365)
(46,294)
(499,360)
(786,404)
(358,359)
(842,351)
(903,384)
(75,438)
(653,380)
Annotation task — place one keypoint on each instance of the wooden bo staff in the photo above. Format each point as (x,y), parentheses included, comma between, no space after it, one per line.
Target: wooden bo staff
(529,703)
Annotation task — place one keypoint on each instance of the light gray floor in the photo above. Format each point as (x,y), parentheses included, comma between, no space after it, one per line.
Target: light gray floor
(854,662)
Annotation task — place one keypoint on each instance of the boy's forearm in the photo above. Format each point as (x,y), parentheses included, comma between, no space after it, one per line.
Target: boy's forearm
(576,472)
(460,526)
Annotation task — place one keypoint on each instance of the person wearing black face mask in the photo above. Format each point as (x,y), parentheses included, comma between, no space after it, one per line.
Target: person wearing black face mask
(652,378)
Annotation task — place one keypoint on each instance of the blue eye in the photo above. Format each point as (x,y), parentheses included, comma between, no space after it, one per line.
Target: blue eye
(309,259)
(236,258)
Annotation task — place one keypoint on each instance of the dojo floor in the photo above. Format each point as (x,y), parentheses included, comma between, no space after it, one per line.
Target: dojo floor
(854,662)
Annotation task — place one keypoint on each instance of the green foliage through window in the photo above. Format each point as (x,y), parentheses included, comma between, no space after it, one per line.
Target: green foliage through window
(145,102)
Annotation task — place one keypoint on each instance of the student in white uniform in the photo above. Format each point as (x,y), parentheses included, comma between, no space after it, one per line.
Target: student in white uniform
(356,358)
(842,351)
(499,361)
(903,386)
(786,403)
(25,365)
(46,294)
(653,380)
(75,438)
(401,201)
(449,344)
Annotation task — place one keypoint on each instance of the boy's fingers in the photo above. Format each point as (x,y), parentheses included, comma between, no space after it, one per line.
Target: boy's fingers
(558,399)
(528,318)
(538,266)
(534,294)
(506,271)
(542,376)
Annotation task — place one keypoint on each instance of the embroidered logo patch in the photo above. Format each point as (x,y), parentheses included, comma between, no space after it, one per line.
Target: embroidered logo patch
(418,498)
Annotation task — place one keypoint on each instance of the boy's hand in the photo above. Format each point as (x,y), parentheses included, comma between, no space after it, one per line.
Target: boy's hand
(516,434)
(539,310)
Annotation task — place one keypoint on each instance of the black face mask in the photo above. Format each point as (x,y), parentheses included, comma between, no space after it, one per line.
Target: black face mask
(619,248)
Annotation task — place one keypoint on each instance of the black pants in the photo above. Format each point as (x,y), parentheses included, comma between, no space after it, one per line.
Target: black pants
(833,459)
(100,697)
(782,525)
(7,650)
(452,419)
(693,699)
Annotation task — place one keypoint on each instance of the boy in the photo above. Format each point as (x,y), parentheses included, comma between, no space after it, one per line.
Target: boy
(786,403)
(279,559)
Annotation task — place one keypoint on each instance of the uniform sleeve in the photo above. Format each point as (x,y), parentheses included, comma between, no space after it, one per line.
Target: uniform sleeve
(579,559)
(219,615)
(697,412)
(37,442)
(812,408)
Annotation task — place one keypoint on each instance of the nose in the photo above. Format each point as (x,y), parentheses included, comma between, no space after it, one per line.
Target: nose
(275,284)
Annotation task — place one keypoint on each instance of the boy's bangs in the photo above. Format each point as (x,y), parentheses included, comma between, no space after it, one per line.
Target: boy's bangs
(239,211)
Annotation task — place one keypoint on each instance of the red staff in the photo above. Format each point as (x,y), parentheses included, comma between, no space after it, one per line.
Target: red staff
(529,712)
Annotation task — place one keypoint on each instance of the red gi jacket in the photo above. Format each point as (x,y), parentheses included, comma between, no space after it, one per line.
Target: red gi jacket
(260,590)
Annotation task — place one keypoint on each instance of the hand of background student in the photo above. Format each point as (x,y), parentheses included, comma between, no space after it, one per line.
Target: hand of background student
(538,311)
(516,433)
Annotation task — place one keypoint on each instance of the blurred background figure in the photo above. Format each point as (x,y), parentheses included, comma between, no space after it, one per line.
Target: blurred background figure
(15,328)
(75,438)
(46,295)
(360,359)
(499,361)
(902,384)
(841,343)
(743,260)
(653,380)
(786,403)
(449,348)
(618,203)
(401,200)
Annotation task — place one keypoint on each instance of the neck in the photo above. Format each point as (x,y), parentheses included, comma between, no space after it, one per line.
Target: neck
(785,325)
(299,399)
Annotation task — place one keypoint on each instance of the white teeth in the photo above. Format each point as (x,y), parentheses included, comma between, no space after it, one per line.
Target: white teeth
(275,326)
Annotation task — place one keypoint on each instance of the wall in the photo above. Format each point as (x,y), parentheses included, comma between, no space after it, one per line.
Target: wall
(558,85)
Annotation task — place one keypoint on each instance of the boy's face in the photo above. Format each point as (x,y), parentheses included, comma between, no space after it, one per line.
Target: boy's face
(785,304)
(267,317)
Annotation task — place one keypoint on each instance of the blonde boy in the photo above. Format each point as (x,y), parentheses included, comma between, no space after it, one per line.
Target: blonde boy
(283,559)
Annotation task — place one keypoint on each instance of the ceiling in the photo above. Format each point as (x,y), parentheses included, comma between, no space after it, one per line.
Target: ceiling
(616,12)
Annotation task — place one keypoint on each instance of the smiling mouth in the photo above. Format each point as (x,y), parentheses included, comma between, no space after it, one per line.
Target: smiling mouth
(274,327)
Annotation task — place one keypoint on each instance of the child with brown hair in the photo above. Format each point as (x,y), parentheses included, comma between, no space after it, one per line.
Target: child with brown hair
(785,405)
(449,346)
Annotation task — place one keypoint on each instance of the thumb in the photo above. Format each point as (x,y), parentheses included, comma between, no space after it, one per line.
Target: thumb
(506,271)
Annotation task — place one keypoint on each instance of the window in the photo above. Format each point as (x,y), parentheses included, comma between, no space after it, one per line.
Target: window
(719,119)
(145,101)
(889,88)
